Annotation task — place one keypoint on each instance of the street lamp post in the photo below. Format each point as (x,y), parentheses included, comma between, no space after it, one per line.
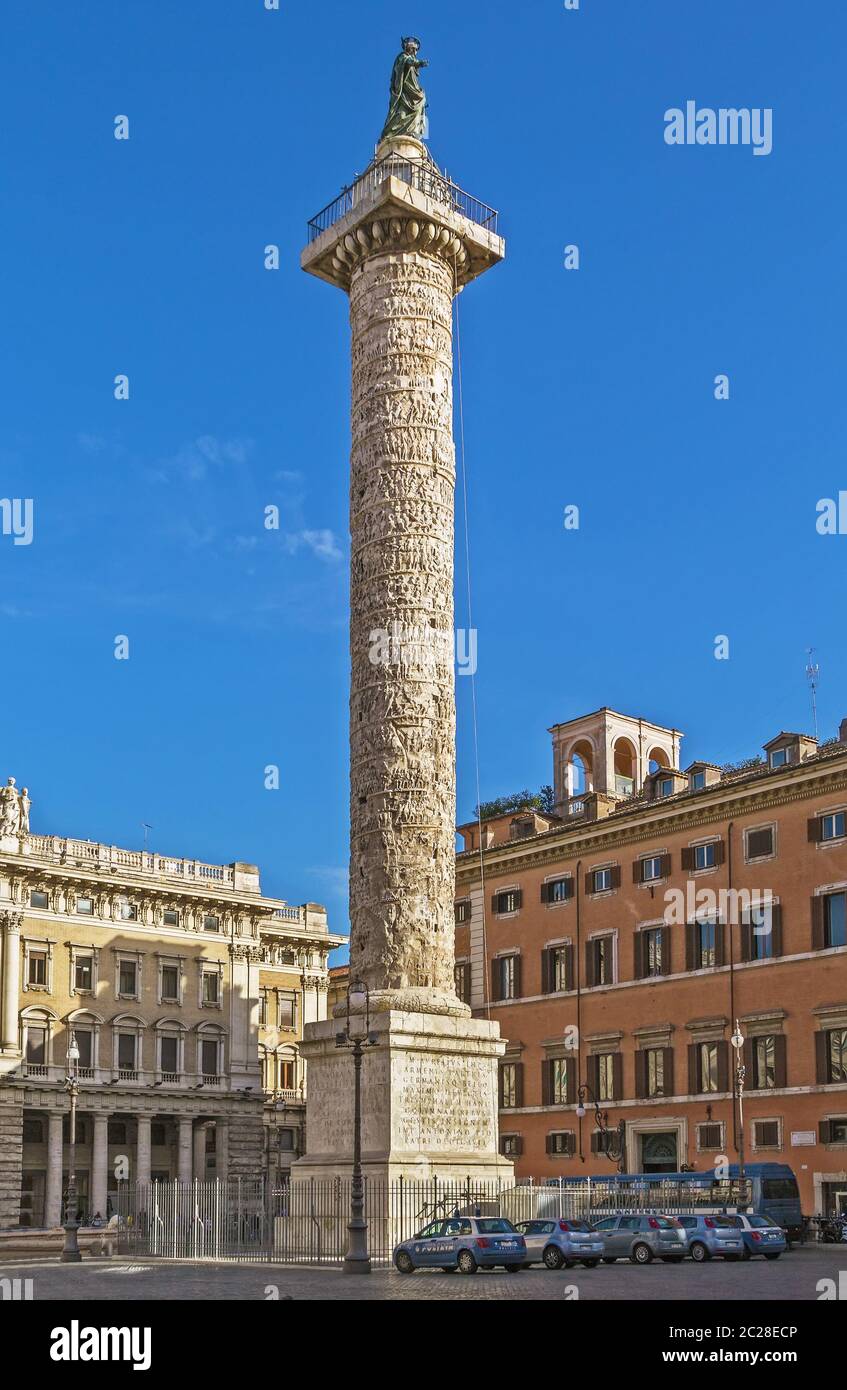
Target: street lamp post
(70,1250)
(614,1140)
(740,1073)
(357,1036)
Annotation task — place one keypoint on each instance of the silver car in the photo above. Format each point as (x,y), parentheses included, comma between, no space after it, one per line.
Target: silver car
(561,1243)
(642,1238)
(713,1235)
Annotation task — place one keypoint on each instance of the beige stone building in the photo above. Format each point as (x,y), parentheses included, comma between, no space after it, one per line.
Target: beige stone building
(186,991)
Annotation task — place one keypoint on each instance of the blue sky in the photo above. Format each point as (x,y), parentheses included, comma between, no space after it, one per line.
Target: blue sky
(591,387)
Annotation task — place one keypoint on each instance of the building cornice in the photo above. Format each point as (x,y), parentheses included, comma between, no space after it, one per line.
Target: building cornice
(595,838)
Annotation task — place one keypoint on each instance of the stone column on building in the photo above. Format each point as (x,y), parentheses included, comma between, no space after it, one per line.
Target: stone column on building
(221,1148)
(200,1131)
(402,253)
(143,1148)
(10,928)
(184,1148)
(53,1185)
(100,1164)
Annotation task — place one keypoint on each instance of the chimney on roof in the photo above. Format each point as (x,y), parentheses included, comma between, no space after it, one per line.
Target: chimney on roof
(842,731)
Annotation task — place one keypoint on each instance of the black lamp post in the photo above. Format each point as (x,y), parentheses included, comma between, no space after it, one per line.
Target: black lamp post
(737,1041)
(357,1036)
(614,1140)
(70,1250)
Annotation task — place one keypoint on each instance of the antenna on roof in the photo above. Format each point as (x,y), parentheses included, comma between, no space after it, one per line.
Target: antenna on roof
(813,671)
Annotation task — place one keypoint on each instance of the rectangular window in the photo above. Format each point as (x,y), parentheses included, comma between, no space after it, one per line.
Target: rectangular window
(129,911)
(85,1043)
(832,826)
(128,978)
(511,1145)
(704,856)
(170,986)
(559,968)
(666,786)
(33,1131)
(169,1055)
(286,1140)
(211,922)
(656,1071)
(651,869)
(764,1063)
(209,1057)
(285,1011)
(760,843)
(837,1055)
(126,1051)
(37,899)
(506,968)
(708,1066)
(561,1143)
(557,890)
(85,906)
(766,1134)
(170,917)
(83,973)
(837,1133)
(462,911)
(697,781)
(706,944)
(506,902)
(603,949)
(211,983)
(37,972)
(286,1076)
(462,978)
(559,1081)
(36,1046)
(508,1085)
(710,1137)
(652,947)
(759,921)
(606,1076)
(835,919)
(602,880)
(779,757)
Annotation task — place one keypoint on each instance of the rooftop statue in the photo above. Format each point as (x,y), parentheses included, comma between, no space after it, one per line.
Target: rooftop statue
(407,106)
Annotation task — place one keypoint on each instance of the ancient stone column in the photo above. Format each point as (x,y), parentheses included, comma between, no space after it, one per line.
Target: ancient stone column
(402,242)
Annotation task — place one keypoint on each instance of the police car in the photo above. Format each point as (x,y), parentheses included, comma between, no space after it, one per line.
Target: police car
(466,1243)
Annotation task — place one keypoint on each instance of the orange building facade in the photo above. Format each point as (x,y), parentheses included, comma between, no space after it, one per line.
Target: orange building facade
(618,941)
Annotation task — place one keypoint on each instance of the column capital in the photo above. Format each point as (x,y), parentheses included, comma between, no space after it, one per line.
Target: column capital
(11,921)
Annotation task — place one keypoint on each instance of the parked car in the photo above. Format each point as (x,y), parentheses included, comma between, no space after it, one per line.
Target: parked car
(464,1243)
(712,1235)
(761,1236)
(641,1238)
(557,1243)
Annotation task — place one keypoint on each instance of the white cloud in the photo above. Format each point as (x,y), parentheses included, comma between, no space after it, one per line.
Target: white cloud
(323,544)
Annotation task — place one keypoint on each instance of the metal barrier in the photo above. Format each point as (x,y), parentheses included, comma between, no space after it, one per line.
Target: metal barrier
(306,1222)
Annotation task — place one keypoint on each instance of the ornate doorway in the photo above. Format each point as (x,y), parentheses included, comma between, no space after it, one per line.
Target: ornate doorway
(659,1152)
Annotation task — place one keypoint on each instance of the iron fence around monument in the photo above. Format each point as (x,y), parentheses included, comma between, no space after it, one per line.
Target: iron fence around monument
(251,1219)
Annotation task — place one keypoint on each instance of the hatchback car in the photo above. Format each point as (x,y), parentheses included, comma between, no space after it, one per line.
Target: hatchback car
(712,1235)
(642,1238)
(761,1236)
(464,1243)
(561,1243)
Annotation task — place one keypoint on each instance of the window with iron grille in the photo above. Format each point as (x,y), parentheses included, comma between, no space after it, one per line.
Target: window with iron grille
(766,1134)
(710,1137)
(760,843)
(836,1055)
(561,1143)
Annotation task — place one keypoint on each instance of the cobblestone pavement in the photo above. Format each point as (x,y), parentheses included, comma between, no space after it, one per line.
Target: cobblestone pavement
(794,1276)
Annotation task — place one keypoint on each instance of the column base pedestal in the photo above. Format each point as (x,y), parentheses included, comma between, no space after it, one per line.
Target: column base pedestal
(429,1101)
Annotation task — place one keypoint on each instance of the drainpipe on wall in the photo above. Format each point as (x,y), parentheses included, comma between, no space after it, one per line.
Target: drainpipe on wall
(578,963)
(731,979)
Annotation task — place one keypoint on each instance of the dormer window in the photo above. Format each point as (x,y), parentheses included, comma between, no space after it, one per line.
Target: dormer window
(697,781)
(665,786)
(779,757)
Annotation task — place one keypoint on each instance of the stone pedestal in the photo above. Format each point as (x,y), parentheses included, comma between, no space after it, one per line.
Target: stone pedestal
(429,1100)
